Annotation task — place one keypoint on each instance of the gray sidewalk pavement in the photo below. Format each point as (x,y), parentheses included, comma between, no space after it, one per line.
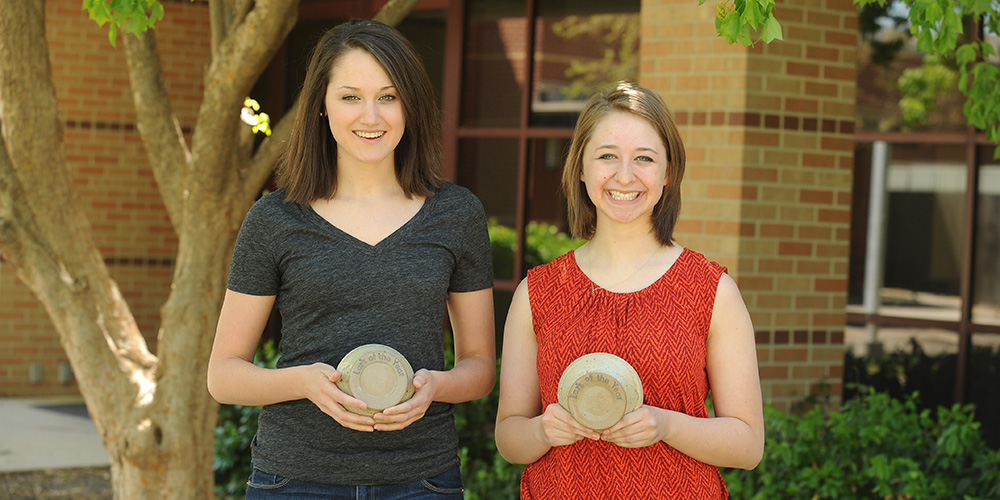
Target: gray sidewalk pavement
(48,433)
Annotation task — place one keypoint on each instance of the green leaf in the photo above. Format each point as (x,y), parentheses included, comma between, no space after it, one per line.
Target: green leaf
(729,26)
(965,54)
(113,34)
(977,7)
(771,30)
(751,15)
(739,21)
(925,41)
(131,16)
(933,12)
(98,11)
(744,37)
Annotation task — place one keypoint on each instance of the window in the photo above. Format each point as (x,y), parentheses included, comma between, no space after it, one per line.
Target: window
(527,67)
(925,243)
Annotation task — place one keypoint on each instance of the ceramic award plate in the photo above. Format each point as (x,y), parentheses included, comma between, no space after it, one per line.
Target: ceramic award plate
(598,389)
(376,374)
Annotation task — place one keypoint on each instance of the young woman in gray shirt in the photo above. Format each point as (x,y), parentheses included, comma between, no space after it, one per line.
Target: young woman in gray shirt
(362,243)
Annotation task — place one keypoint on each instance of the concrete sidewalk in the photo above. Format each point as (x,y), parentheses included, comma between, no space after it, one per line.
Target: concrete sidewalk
(49,433)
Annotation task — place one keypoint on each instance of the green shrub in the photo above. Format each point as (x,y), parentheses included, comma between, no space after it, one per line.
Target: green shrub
(485,473)
(543,243)
(236,428)
(901,372)
(503,243)
(873,447)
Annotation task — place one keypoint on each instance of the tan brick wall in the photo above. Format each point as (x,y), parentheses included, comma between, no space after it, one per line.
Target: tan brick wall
(767,193)
(111,175)
(769,134)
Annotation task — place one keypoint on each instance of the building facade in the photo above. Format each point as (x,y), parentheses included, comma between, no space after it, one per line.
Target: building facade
(771,133)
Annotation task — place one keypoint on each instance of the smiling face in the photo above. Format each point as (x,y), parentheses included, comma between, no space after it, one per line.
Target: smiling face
(624,168)
(364,111)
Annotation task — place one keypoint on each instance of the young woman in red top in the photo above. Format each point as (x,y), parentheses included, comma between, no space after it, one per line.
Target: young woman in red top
(631,291)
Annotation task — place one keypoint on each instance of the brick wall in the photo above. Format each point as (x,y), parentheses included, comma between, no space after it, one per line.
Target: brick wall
(112,177)
(767,192)
(769,135)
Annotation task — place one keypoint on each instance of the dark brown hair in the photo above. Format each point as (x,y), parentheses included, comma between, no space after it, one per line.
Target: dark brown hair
(308,167)
(627,97)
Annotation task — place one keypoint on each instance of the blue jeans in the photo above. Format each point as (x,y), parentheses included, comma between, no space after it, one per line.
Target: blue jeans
(266,486)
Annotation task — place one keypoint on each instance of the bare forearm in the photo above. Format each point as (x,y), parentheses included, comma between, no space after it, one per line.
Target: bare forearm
(237,381)
(518,439)
(471,378)
(719,441)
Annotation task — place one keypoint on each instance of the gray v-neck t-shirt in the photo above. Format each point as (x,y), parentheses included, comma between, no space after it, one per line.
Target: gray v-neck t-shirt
(334,293)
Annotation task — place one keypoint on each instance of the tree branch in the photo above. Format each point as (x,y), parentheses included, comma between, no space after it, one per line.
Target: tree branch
(28,98)
(270,149)
(220,18)
(239,61)
(19,233)
(394,11)
(45,232)
(158,126)
(240,9)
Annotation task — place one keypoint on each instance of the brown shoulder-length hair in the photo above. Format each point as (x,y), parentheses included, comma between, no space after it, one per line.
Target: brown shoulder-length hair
(626,97)
(308,166)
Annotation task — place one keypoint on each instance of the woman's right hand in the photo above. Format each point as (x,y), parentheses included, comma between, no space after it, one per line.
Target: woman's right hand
(559,428)
(320,384)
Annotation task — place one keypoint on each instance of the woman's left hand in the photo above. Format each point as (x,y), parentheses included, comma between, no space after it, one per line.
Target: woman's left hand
(642,427)
(402,415)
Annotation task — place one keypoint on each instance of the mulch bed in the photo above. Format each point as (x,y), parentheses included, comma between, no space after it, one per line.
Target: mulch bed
(92,483)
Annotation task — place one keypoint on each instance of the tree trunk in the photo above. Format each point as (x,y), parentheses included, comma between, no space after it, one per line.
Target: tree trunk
(169,453)
(47,240)
(206,191)
(154,415)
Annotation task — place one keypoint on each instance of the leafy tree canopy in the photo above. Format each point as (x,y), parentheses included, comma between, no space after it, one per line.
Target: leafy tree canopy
(939,28)
(133,16)
(740,20)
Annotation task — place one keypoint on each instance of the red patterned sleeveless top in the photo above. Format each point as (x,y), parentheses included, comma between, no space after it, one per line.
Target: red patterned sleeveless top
(661,331)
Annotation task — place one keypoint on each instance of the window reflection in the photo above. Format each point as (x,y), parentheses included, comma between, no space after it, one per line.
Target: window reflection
(925,187)
(547,233)
(920,240)
(563,51)
(860,197)
(925,360)
(907,340)
(488,168)
(546,202)
(494,68)
(986,270)
(983,380)
(903,360)
(580,47)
